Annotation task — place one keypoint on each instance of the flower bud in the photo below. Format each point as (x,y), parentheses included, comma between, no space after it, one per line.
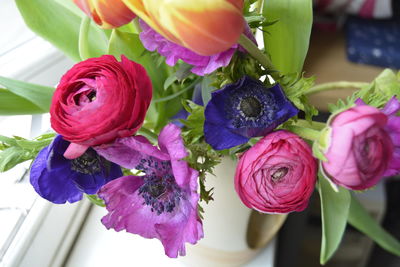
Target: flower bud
(205,27)
(107,13)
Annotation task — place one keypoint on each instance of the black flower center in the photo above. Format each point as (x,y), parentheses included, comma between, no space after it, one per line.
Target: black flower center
(162,194)
(250,106)
(279,174)
(88,163)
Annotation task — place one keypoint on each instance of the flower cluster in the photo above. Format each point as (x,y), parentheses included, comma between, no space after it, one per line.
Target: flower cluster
(215,95)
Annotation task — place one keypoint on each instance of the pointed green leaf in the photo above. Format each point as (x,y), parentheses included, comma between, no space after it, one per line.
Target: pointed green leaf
(287,40)
(361,220)
(206,90)
(334,213)
(129,44)
(60,25)
(12,104)
(37,94)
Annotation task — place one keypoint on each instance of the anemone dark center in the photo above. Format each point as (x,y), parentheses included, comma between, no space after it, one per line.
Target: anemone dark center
(279,174)
(88,163)
(250,106)
(162,194)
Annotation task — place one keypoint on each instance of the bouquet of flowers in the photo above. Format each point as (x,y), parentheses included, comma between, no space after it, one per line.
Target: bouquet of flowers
(164,89)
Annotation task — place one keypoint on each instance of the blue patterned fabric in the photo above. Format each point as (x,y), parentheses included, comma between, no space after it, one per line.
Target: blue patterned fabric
(374,42)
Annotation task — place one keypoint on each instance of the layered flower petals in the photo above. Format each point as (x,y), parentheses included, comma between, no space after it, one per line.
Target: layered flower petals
(205,27)
(160,204)
(59,180)
(106,13)
(360,147)
(243,110)
(276,175)
(99,100)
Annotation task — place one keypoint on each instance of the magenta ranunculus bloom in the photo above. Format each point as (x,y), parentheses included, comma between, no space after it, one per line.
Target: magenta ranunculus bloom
(161,204)
(99,100)
(277,175)
(203,65)
(361,146)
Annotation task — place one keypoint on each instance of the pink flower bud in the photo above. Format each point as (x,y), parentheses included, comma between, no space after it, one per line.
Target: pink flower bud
(360,148)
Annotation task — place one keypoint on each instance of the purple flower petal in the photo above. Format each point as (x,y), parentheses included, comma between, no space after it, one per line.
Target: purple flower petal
(161,204)
(59,180)
(54,184)
(129,151)
(243,110)
(203,65)
(392,106)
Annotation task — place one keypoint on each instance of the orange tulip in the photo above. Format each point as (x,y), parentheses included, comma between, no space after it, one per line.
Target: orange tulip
(206,27)
(106,13)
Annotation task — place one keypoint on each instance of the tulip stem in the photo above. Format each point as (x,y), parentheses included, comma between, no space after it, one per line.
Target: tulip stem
(304,132)
(256,53)
(83,45)
(335,85)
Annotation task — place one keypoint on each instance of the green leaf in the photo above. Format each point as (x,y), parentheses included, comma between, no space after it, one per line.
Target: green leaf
(129,44)
(12,104)
(334,213)
(17,150)
(206,89)
(60,25)
(361,220)
(84,49)
(382,88)
(36,94)
(287,40)
(169,81)
(96,200)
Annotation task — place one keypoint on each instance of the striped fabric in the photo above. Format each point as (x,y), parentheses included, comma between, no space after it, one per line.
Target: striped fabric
(362,8)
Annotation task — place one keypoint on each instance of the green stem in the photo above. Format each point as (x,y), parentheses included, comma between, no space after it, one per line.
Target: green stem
(148,134)
(256,53)
(190,86)
(335,85)
(83,44)
(315,125)
(304,132)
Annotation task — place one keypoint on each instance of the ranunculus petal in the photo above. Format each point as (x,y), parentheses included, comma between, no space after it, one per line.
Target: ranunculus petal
(276,175)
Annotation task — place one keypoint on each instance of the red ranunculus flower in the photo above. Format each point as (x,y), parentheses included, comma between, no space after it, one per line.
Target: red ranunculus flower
(99,100)
(276,175)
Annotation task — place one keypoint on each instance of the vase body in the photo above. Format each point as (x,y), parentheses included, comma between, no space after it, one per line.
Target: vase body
(233,233)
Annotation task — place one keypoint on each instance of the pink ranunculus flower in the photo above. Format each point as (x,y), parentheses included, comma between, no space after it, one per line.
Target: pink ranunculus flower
(161,204)
(99,100)
(360,151)
(276,175)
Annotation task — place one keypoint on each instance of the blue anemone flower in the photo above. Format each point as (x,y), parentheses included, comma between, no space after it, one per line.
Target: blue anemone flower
(58,179)
(243,110)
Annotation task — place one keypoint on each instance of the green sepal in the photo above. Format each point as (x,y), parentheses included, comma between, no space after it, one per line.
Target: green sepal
(96,200)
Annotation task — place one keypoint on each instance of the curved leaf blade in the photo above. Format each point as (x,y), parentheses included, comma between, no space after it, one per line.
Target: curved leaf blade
(334,213)
(287,40)
(11,104)
(60,26)
(36,94)
(361,220)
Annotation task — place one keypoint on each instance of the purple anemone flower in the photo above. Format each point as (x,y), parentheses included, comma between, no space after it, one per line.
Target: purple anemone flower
(59,180)
(203,65)
(160,204)
(243,110)
(391,109)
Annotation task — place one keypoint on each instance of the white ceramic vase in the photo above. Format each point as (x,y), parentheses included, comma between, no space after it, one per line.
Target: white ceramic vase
(233,233)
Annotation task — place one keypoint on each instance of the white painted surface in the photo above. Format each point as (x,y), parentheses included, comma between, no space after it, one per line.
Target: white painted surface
(98,247)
